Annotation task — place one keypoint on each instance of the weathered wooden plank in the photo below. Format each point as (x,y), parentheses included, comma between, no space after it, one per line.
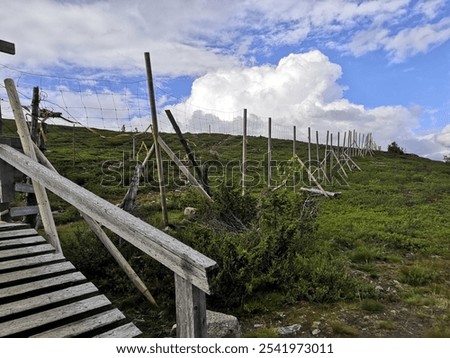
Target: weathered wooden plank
(49,316)
(24,188)
(7,47)
(26,251)
(46,299)
(13,226)
(23,211)
(83,326)
(30,240)
(180,258)
(317,191)
(36,272)
(7,193)
(10,234)
(126,331)
(30,261)
(190,305)
(73,277)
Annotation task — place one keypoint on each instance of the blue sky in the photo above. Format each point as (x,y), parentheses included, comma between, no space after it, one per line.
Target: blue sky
(374,66)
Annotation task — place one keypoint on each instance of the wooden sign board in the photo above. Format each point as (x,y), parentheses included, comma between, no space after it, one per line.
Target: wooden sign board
(7,47)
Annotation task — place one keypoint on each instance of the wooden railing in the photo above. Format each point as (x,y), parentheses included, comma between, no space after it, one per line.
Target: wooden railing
(191,268)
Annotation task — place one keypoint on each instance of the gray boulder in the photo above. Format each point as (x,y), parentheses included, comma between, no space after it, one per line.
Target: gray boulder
(222,325)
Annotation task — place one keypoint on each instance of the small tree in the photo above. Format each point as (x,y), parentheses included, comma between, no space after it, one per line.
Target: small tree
(447,159)
(394,148)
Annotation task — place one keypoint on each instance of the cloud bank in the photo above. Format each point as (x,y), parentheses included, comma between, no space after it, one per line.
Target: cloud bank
(302,90)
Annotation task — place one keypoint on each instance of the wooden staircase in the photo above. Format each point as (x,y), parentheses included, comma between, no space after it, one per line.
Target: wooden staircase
(43,295)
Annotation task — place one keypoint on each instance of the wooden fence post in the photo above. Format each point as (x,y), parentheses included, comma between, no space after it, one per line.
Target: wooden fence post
(326,155)
(155,132)
(338,144)
(309,155)
(331,156)
(294,141)
(269,153)
(244,149)
(294,153)
(317,156)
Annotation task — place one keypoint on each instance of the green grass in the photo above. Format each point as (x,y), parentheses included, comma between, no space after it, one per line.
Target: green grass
(390,223)
(343,330)
(372,306)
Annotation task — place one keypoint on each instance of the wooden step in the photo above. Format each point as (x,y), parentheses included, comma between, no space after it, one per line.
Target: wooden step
(42,294)
(17,211)
(4,226)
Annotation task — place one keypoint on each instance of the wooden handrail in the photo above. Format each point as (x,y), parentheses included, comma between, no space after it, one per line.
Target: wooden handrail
(191,268)
(180,258)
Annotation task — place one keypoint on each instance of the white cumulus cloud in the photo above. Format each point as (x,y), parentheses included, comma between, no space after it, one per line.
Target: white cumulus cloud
(301,90)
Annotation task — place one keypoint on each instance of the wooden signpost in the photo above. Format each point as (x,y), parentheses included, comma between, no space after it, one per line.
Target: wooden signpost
(10,48)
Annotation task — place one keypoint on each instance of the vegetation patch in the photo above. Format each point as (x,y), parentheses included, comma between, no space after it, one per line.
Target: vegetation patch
(418,275)
(386,236)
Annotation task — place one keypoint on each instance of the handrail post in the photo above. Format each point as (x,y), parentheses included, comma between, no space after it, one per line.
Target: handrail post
(190,304)
(28,149)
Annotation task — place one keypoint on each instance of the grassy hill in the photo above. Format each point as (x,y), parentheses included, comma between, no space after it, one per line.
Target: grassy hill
(372,263)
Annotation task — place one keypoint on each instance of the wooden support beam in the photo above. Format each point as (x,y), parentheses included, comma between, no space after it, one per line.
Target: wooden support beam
(191,310)
(189,152)
(318,191)
(28,148)
(185,170)
(312,177)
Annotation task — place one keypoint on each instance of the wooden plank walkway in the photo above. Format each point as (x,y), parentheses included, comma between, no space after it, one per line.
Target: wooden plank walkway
(43,295)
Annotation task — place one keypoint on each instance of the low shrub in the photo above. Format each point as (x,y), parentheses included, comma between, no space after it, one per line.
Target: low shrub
(418,275)
(277,252)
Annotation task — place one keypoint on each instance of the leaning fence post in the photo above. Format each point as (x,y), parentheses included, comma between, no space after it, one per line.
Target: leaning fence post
(28,148)
(155,132)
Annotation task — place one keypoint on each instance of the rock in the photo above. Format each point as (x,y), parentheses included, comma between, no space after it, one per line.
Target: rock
(294,328)
(222,325)
(189,212)
(379,288)
(315,332)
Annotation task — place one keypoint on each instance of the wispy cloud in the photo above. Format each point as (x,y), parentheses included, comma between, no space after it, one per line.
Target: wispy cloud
(191,38)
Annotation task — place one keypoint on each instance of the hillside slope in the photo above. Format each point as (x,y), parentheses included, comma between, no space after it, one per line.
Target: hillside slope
(390,230)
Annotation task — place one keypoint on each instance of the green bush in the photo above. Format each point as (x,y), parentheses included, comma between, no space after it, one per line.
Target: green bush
(371,305)
(418,276)
(278,251)
(394,148)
